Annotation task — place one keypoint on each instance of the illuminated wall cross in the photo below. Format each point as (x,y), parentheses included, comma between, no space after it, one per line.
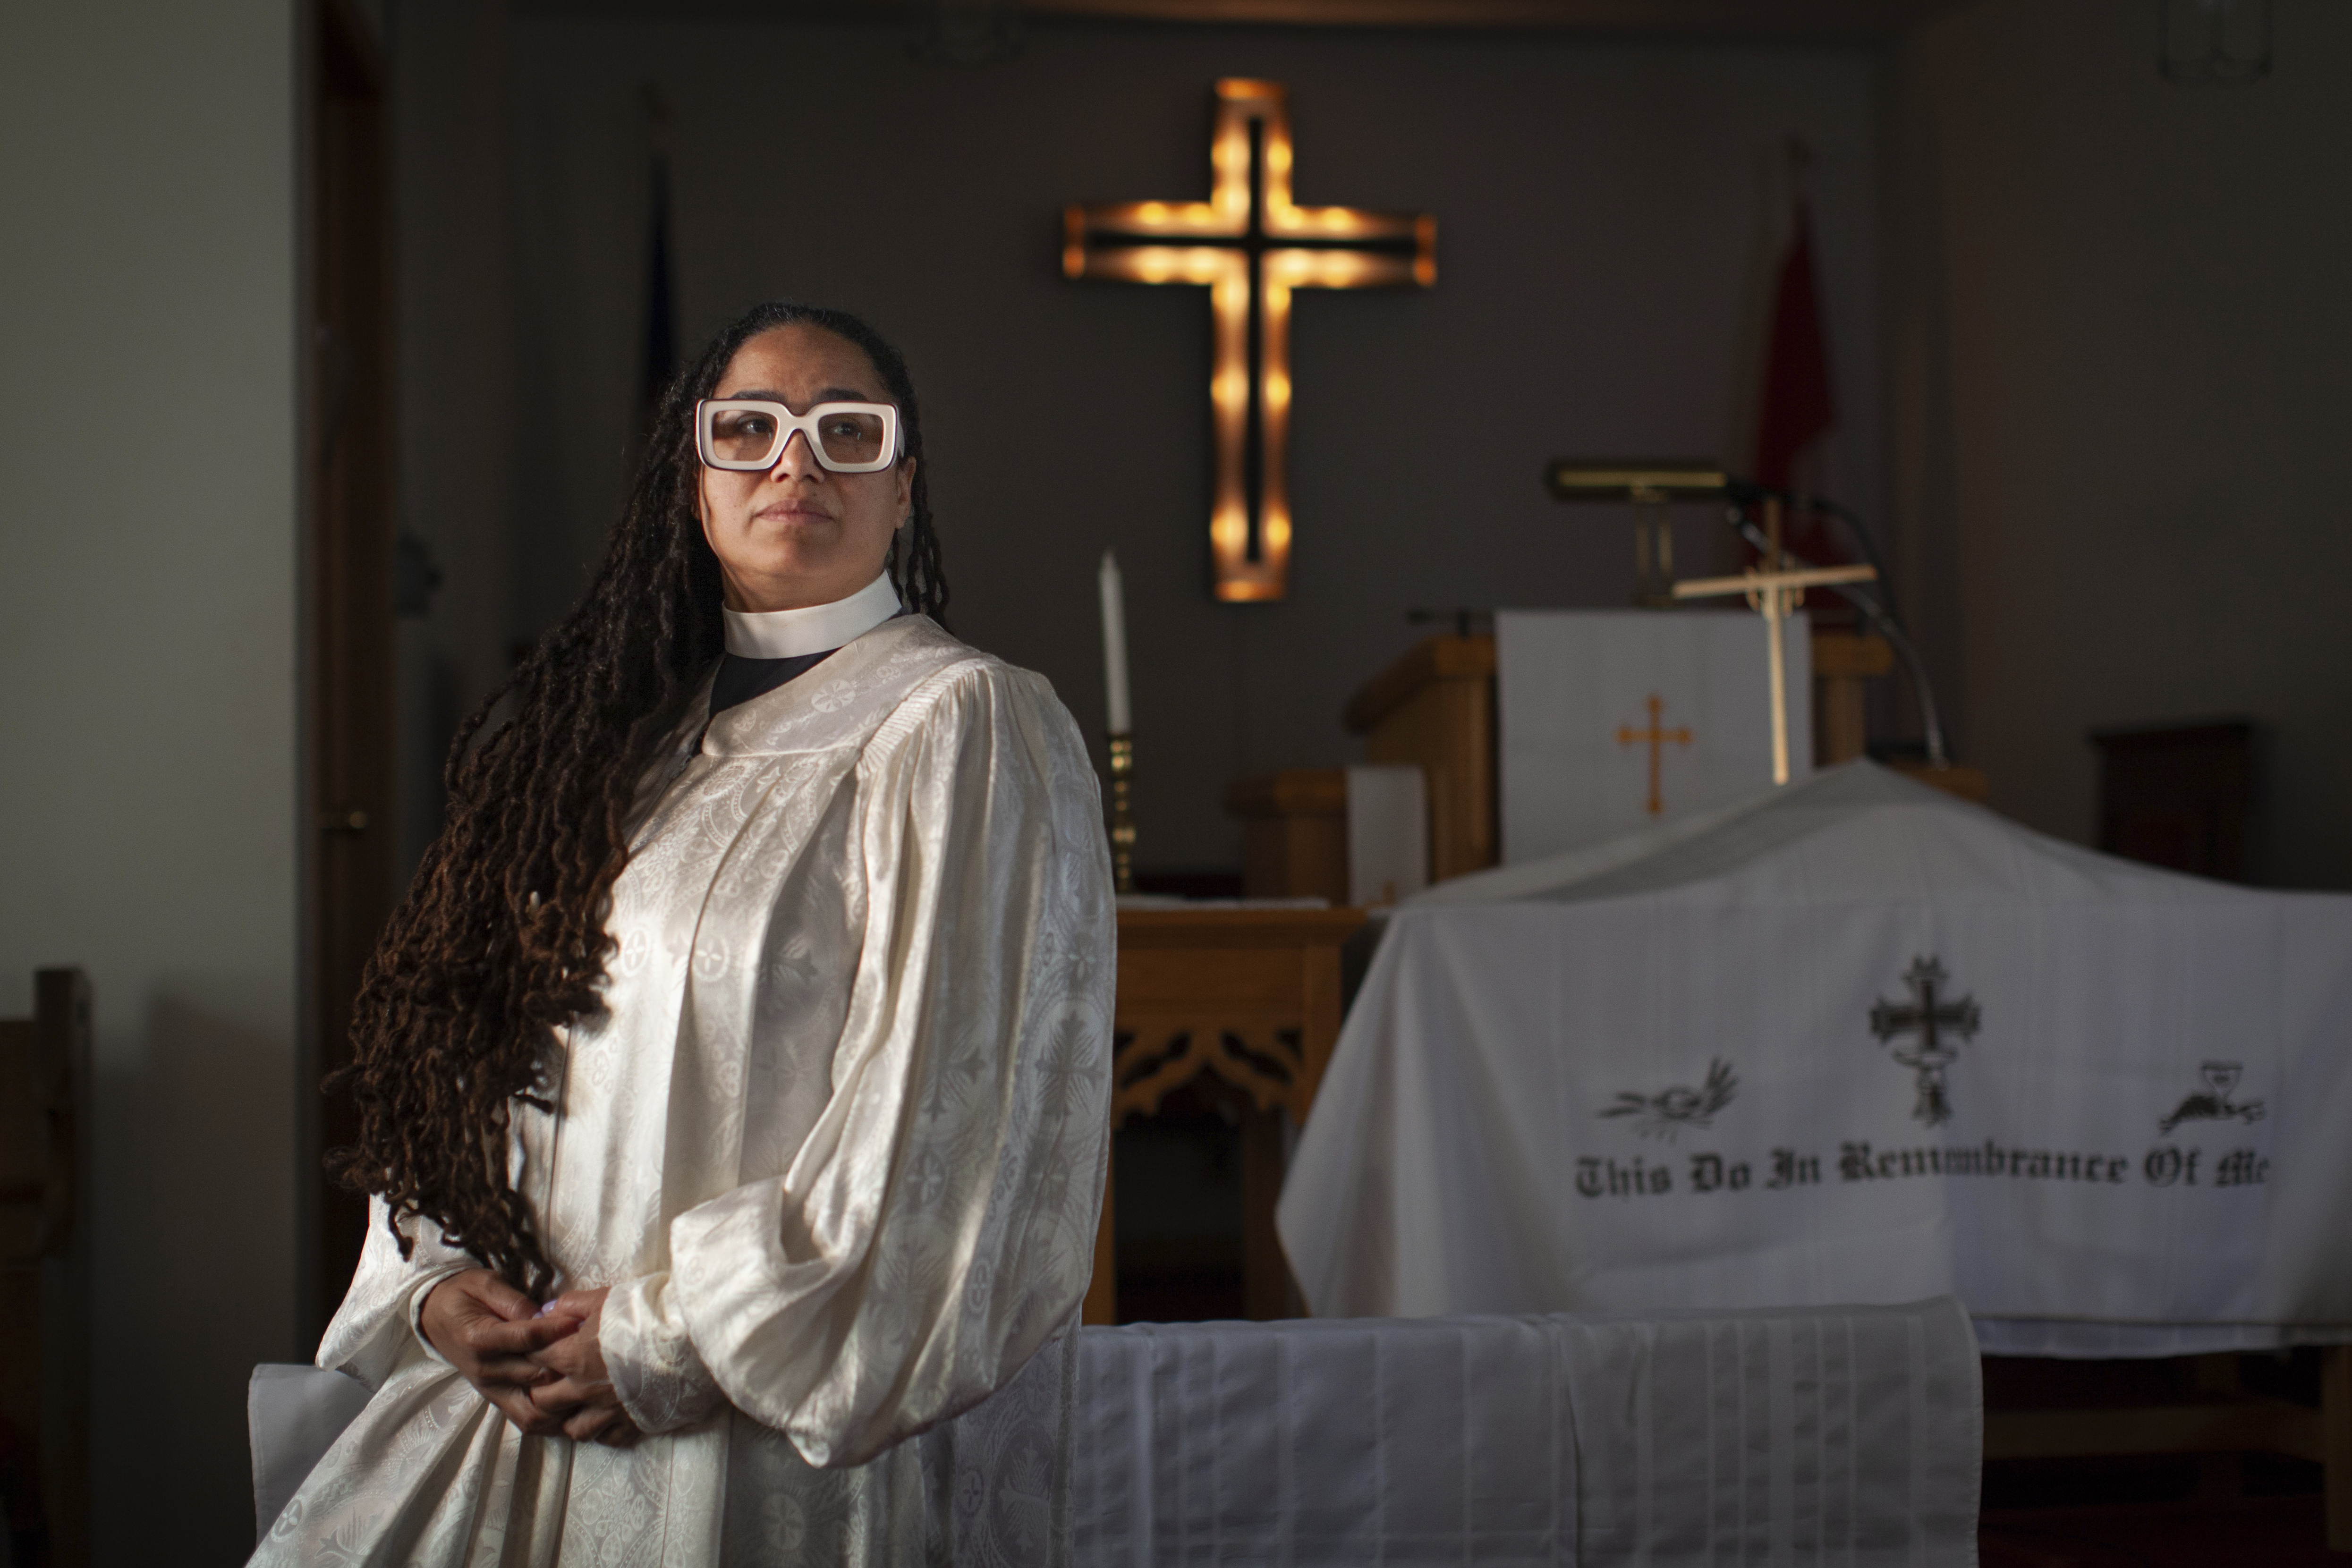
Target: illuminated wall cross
(1657,734)
(1250,245)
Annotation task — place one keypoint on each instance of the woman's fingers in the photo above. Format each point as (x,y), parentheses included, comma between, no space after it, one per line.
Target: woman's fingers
(528,1418)
(518,1371)
(488,1337)
(497,1295)
(580,1304)
(565,1393)
(583,1412)
(608,1425)
(587,1424)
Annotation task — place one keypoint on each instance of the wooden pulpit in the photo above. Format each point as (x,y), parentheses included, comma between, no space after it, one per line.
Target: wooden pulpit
(1251,995)
(1435,707)
(1843,662)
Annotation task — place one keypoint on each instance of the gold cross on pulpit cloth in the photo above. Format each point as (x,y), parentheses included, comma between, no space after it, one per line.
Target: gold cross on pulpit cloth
(1775,595)
(1657,734)
(1250,245)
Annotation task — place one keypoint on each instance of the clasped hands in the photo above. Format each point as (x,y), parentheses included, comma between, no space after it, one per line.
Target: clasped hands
(544,1372)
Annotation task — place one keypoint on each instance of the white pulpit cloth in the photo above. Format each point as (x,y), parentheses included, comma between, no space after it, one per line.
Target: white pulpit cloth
(1691,1067)
(1612,719)
(1842,1436)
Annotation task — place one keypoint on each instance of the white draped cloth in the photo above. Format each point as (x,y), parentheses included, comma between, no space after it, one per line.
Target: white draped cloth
(1681,1440)
(1853,1040)
(1843,1435)
(838,1145)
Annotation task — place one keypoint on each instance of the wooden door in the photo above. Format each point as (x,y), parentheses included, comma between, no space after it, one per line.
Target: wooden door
(348,603)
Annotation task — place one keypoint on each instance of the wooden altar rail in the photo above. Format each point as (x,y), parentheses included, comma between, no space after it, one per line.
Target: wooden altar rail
(1251,995)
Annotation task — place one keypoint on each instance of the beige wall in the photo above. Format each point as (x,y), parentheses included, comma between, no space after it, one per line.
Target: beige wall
(2122,346)
(148,698)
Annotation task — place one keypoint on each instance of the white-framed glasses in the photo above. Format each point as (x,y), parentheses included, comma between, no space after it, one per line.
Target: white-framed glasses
(743,434)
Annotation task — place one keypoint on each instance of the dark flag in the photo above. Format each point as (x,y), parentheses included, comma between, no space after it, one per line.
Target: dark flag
(1795,410)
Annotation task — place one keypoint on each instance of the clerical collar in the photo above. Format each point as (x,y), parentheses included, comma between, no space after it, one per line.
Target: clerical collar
(818,629)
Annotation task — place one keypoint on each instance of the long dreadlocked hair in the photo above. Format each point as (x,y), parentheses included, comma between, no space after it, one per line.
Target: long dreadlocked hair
(500,939)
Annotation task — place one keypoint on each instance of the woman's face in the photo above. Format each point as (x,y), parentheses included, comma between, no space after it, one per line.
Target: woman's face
(799,535)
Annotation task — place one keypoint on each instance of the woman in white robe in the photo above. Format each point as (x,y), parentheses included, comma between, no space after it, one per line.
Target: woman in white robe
(819,1169)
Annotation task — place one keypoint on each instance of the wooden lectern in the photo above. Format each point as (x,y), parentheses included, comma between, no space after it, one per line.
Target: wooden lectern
(1842,661)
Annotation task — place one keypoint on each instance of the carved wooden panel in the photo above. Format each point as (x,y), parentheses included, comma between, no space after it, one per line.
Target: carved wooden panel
(1249,995)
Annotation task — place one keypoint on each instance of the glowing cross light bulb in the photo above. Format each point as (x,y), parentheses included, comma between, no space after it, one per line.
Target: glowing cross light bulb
(1250,247)
(1229,527)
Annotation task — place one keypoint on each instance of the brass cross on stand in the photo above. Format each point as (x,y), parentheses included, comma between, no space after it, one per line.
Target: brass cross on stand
(1250,247)
(1657,736)
(1775,594)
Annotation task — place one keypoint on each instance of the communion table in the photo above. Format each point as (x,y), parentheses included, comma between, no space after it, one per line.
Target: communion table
(1850,1040)
(1250,994)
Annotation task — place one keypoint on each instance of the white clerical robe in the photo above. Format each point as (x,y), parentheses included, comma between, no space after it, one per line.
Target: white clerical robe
(838,1145)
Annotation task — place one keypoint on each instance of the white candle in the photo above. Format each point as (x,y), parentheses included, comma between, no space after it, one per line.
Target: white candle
(1114,620)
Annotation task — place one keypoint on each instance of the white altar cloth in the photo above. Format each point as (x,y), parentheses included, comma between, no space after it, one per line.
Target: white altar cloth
(1692,1067)
(1801,1437)
(1840,1436)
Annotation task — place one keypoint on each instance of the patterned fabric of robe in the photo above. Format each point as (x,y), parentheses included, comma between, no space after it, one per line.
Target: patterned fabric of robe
(837,1144)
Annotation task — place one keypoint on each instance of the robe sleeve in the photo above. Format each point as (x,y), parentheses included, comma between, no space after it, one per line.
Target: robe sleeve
(374,1330)
(937,1225)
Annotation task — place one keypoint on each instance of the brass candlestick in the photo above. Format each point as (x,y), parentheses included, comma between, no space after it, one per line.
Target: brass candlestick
(1122,812)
